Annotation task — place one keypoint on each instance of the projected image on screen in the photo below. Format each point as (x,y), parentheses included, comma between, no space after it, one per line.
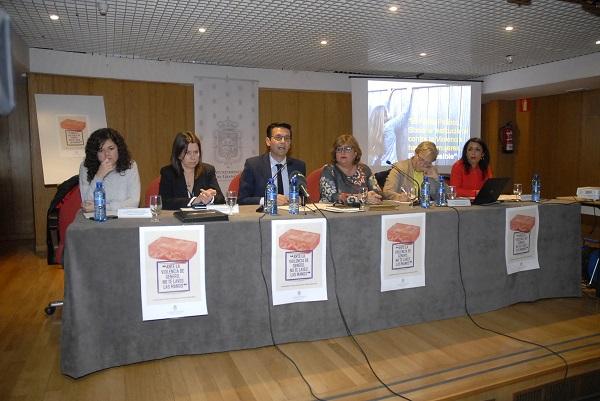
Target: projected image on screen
(403,114)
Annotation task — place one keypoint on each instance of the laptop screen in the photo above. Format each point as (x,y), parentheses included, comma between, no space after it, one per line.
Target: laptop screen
(491,190)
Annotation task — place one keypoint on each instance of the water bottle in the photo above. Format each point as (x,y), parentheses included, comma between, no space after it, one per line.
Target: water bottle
(99,202)
(441,200)
(294,207)
(536,188)
(425,193)
(271,197)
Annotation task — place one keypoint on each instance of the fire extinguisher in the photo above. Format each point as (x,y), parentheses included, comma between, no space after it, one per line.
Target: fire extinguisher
(507,138)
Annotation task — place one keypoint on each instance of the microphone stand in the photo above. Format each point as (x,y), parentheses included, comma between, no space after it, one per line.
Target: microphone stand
(409,177)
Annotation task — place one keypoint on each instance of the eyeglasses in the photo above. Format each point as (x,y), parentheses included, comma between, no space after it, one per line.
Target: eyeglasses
(344,149)
(279,138)
(423,161)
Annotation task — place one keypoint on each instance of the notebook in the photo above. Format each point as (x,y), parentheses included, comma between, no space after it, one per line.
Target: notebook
(491,190)
(200,216)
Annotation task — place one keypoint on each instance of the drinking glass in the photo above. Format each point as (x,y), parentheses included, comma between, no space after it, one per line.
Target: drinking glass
(451,192)
(517,191)
(155,207)
(413,196)
(231,200)
(363,198)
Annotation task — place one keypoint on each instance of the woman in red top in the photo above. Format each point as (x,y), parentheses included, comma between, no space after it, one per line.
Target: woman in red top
(470,172)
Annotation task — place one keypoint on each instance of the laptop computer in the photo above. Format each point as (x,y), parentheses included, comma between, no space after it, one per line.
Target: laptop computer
(491,190)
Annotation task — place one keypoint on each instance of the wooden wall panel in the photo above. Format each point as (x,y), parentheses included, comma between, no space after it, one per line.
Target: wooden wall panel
(147,114)
(523,155)
(558,138)
(495,115)
(589,151)
(16,211)
(317,118)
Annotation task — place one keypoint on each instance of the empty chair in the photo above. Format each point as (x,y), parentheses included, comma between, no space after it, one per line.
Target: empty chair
(312,181)
(381,176)
(234,185)
(152,189)
(71,205)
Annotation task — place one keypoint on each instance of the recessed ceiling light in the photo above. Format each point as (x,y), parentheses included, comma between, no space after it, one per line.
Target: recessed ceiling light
(323,42)
(422,54)
(54,17)
(598,42)
(393,9)
(201,30)
(509,28)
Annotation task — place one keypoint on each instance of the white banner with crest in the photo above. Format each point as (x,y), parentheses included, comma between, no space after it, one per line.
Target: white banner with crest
(226,113)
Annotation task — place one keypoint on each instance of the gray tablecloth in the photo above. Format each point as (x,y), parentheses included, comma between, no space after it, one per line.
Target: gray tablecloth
(102,317)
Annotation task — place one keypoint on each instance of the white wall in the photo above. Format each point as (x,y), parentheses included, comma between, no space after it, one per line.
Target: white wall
(87,65)
(545,79)
(538,80)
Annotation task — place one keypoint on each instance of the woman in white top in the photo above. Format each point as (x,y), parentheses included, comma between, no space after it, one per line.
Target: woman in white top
(108,160)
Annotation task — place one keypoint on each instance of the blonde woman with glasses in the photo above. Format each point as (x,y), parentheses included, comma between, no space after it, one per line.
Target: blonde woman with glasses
(399,187)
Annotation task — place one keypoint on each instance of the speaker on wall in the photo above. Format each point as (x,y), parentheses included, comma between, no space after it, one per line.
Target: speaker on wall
(7,92)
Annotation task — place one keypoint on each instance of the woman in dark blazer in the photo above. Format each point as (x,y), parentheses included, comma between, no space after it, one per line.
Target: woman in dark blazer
(187,181)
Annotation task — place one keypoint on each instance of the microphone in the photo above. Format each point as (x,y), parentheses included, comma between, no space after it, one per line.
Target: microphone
(407,176)
(301,180)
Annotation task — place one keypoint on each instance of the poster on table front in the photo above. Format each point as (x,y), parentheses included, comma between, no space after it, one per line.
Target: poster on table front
(64,123)
(522,225)
(172,272)
(298,264)
(402,251)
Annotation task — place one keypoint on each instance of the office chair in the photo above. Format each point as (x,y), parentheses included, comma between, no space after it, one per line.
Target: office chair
(381,177)
(312,182)
(152,189)
(70,206)
(234,185)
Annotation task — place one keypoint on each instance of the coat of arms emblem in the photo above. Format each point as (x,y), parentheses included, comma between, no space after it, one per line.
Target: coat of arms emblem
(228,141)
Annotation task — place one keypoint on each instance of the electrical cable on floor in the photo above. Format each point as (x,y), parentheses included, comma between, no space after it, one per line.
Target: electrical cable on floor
(269,310)
(564,361)
(348,331)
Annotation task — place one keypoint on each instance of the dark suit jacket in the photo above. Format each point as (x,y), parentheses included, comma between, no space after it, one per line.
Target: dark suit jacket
(256,173)
(173,190)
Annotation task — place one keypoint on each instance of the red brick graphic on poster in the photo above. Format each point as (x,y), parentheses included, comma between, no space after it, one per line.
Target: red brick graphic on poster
(403,237)
(299,246)
(172,263)
(521,225)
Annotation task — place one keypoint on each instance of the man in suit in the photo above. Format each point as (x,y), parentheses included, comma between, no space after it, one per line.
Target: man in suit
(274,163)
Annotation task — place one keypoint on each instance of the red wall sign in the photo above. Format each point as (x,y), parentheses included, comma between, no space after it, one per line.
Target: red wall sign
(524,105)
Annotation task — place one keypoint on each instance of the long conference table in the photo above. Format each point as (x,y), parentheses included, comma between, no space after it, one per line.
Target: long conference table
(102,322)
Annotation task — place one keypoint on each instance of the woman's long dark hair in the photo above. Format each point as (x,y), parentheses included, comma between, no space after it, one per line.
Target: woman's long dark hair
(93,146)
(485,157)
(180,146)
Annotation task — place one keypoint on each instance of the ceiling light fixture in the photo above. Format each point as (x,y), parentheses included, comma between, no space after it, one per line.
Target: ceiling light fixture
(393,9)
(598,42)
(509,28)
(323,42)
(54,17)
(509,59)
(201,30)
(102,6)
(422,54)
